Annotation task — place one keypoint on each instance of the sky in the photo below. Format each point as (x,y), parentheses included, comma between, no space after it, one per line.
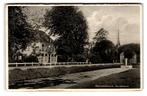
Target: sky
(124,18)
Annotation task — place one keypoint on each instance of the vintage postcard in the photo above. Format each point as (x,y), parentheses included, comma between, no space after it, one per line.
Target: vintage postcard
(74,46)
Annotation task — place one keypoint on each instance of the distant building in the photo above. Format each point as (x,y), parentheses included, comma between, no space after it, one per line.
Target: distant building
(122,57)
(18,57)
(45,52)
(132,60)
(43,56)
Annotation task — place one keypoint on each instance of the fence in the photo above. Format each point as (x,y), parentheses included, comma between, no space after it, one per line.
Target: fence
(24,66)
(45,64)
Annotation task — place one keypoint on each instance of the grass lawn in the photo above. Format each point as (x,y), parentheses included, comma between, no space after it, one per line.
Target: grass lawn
(17,75)
(126,79)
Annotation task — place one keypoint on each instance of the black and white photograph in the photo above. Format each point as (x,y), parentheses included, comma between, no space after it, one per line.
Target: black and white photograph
(74,46)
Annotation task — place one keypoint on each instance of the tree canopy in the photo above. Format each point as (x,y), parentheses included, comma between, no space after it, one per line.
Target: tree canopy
(19,34)
(104,50)
(130,49)
(70,25)
(101,35)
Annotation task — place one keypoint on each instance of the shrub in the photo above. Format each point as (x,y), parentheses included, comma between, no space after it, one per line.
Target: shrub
(31,59)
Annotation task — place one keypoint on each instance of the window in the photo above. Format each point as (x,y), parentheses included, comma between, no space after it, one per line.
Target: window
(45,54)
(20,57)
(41,54)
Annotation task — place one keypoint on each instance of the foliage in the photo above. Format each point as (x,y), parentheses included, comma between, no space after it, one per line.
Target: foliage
(31,58)
(101,35)
(19,31)
(130,49)
(79,58)
(62,58)
(70,25)
(104,50)
(95,58)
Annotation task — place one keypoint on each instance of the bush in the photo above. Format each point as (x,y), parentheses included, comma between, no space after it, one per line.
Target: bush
(79,58)
(95,58)
(62,58)
(31,59)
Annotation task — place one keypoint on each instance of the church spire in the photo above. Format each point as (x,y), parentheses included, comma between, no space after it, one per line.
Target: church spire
(118,39)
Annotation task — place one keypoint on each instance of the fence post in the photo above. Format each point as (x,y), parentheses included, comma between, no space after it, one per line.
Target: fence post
(126,61)
(16,64)
(32,63)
